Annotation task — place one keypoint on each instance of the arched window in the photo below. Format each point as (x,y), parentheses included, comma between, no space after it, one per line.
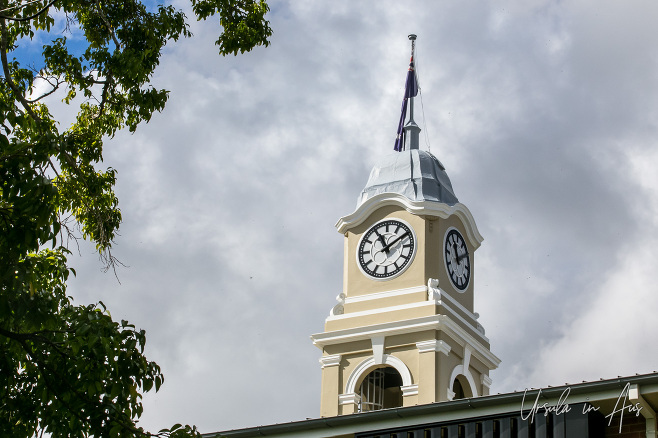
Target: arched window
(461,388)
(380,389)
(457,389)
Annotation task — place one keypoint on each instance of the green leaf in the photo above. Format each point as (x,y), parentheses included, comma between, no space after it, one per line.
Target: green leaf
(66,369)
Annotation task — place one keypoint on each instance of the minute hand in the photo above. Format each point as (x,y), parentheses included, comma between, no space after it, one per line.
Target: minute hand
(388,246)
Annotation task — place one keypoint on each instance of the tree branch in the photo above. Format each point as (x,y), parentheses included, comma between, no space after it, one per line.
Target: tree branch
(108,25)
(45,8)
(5,69)
(54,88)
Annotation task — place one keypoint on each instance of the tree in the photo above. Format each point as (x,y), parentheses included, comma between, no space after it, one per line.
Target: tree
(65,369)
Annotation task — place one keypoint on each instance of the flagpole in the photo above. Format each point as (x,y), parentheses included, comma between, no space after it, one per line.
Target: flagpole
(410,91)
(412,38)
(411,127)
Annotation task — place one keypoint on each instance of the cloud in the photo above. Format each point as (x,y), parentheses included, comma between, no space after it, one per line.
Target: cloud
(544,115)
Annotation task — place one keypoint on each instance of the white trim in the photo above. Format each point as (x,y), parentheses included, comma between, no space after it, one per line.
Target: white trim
(486,380)
(433,288)
(385,329)
(409,390)
(416,305)
(433,345)
(386,294)
(466,323)
(459,369)
(467,357)
(368,364)
(363,313)
(339,308)
(409,261)
(433,322)
(330,361)
(378,349)
(425,208)
(349,399)
(437,291)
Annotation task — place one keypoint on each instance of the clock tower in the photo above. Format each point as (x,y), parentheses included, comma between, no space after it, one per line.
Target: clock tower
(404,331)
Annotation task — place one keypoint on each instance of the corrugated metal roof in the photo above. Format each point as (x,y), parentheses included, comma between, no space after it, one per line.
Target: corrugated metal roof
(414,173)
(604,392)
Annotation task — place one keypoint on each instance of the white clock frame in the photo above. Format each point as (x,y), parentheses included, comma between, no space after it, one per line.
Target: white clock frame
(412,254)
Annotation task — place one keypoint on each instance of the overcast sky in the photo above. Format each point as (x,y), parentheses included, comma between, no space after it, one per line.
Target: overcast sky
(545,115)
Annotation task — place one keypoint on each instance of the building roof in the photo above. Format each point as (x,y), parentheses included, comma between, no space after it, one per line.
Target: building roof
(414,173)
(604,395)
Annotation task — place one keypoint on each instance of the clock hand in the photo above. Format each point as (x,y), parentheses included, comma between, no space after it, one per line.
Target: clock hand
(461,257)
(381,238)
(387,247)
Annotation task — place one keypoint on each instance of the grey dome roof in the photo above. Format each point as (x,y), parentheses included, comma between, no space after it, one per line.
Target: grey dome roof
(415,174)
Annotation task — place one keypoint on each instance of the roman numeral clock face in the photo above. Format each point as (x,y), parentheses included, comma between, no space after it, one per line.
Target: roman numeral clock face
(387,249)
(457,260)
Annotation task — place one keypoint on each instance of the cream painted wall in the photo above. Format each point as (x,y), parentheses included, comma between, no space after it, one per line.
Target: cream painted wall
(368,303)
(428,262)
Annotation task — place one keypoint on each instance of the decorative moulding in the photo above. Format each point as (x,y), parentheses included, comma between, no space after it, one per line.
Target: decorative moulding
(339,308)
(369,364)
(433,322)
(386,294)
(441,297)
(433,291)
(425,208)
(378,349)
(330,361)
(467,357)
(459,369)
(379,310)
(409,390)
(420,304)
(349,399)
(436,294)
(486,380)
(433,345)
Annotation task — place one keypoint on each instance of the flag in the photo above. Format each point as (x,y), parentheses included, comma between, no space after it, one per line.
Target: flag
(410,90)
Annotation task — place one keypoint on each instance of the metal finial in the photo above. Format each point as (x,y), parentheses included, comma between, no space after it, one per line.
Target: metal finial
(412,37)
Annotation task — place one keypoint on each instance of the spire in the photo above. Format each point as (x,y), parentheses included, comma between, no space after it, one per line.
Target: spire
(411,129)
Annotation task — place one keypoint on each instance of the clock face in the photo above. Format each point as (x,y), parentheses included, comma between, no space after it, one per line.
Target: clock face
(458,262)
(386,249)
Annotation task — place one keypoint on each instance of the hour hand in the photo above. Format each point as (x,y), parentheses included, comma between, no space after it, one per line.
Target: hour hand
(392,242)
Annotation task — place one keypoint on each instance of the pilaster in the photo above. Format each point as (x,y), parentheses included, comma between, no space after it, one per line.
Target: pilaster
(428,359)
(330,385)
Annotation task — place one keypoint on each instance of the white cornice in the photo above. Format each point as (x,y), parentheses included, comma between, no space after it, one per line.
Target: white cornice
(438,294)
(437,301)
(386,294)
(363,313)
(420,208)
(433,322)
